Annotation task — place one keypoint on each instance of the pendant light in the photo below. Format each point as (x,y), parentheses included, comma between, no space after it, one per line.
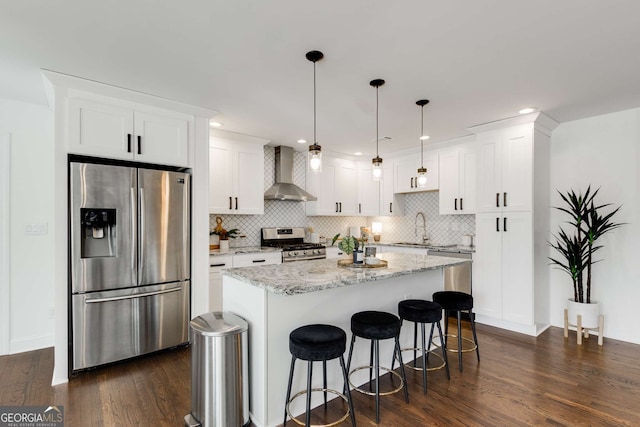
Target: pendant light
(376,169)
(315,150)
(422,171)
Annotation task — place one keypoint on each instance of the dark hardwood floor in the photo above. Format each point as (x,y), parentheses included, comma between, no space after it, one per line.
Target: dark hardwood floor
(520,380)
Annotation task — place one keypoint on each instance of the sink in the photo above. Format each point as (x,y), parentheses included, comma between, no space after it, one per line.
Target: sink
(422,245)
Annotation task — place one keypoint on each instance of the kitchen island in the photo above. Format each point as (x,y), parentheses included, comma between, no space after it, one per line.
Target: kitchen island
(276,299)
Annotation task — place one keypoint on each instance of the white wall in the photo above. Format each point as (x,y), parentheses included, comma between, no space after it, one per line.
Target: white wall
(603,151)
(31,201)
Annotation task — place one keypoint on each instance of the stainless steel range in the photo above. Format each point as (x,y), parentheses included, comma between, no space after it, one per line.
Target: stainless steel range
(291,240)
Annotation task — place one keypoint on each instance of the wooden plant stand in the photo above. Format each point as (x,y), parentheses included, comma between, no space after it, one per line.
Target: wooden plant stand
(580,330)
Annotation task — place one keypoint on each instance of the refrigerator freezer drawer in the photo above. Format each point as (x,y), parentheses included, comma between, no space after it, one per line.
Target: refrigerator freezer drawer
(116,325)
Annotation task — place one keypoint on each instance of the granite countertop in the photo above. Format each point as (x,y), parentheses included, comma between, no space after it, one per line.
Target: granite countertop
(309,276)
(454,248)
(244,250)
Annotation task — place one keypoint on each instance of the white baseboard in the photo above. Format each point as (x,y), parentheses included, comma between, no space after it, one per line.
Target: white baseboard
(30,344)
(533,330)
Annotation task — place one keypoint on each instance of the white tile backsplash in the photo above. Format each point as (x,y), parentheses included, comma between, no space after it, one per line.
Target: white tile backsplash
(440,228)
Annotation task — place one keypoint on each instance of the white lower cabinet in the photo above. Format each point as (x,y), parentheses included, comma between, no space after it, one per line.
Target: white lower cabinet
(219,262)
(216,265)
(503,278)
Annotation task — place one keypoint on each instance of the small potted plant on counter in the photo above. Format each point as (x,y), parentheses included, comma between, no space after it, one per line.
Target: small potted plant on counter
(350,244)
(577,247)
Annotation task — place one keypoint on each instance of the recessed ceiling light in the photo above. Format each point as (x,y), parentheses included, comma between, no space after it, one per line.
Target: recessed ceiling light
(302,141)
(424,137)
(215,124)
(527,110)
(357,153)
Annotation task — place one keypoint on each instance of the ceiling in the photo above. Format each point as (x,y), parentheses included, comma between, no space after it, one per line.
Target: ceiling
(476,61)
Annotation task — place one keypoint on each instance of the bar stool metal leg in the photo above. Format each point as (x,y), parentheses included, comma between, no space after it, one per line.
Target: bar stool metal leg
(459,340)
(402,373)
(424,359)
(444,351)
(309,374)
(376,362)
(472,317)
(324,381)
(293,364)
(348,391)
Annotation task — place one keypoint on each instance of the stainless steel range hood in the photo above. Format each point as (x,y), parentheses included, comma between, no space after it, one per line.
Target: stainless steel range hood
(284,188)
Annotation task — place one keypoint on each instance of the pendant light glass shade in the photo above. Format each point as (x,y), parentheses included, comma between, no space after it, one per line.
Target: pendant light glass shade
(376,167)
(314,157)
(422,171)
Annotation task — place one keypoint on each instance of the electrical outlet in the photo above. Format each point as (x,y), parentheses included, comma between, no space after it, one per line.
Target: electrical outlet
(36,229)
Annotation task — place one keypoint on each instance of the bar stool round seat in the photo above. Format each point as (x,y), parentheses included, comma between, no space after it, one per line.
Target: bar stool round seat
(458,302)
(318,343)
(420,311)
(376,326)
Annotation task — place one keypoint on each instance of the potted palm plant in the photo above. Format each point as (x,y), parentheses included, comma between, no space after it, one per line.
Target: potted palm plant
(577,245)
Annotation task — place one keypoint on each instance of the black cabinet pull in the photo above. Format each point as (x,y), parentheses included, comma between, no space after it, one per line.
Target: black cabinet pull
(359,207)
(236,203)
(336,206)
(498,224)
(128,143)
(139,144)
(222,264)
(230,203)
(504,199)
(258,260)
(497,200)
(455,204)
(504,225)
(391,207)
(461,203)
(411,182)
(340,203)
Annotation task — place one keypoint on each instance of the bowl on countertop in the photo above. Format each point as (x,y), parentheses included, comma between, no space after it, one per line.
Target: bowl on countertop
(371,260)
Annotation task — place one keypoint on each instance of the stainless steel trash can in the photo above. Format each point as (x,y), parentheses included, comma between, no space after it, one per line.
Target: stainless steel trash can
(219,371)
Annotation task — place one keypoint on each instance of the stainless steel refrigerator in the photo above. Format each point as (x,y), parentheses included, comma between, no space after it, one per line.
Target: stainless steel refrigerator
(129,261)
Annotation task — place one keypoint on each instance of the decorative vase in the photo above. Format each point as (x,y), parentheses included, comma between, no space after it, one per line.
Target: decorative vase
(590,313)
(224,245)
(358,257)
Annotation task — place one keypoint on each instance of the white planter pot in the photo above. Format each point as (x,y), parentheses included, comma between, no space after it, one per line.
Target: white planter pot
(224,245)
(214,241)
(589,312)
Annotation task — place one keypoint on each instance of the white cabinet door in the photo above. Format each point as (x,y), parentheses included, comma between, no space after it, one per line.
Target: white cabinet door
(347,189)
(505,176)
(406,173)
(487,266)
(100,130)
(236,177)
(161,139)
(517,168)
(449,193)
(220,177)
(368,192)
(503,267)
(257,259)
(249,180)
(391,203)
(119,132)
(467,180)
(517,267)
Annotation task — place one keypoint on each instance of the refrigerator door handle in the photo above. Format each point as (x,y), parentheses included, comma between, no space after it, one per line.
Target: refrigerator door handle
(143,212)
(145,294)
(134,233)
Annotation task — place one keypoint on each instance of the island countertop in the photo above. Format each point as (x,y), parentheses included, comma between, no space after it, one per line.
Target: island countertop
(310,276)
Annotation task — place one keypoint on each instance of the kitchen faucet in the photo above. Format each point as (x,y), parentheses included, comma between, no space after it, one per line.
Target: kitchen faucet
(424,227)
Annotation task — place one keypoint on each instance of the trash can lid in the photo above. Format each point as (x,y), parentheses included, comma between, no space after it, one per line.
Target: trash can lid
(218,324)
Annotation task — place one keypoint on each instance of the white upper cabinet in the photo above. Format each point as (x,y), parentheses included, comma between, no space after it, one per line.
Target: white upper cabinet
(336,188)
(458,180)
(236,174)
(368,191)
(119,130)
(391,203)
(505,169)
(406,173)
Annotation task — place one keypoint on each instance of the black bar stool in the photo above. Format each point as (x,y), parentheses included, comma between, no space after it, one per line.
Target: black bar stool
(376,326)
(423,312)
(458,302)
(315,343)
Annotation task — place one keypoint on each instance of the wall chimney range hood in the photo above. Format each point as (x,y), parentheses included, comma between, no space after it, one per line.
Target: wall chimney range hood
(284,188)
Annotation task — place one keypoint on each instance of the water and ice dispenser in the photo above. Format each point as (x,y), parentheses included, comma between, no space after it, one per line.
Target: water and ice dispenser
(98,238)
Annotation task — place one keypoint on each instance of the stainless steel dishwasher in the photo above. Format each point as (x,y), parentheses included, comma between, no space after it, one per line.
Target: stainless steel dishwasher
(457,277)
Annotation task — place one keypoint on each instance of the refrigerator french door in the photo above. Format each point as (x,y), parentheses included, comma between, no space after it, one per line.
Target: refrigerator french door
(130,261)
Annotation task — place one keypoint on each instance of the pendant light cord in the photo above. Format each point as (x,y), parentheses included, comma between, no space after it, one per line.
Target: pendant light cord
(315,139)
(377,138)
(422,135)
